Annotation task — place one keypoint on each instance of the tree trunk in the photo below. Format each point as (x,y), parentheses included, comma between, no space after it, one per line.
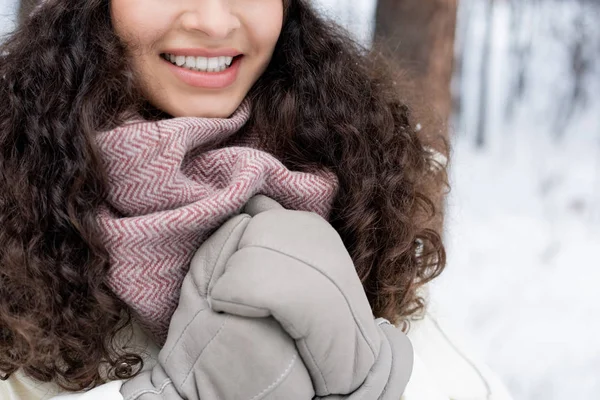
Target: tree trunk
(484,79)
(420,34)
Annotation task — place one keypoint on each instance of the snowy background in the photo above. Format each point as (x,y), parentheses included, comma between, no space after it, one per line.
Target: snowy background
(524,215)
(523,224)
(7,15)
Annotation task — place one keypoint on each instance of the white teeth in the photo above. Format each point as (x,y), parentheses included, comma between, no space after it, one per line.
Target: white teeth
(190,62)
(207,64)
(213,63)
(202,63)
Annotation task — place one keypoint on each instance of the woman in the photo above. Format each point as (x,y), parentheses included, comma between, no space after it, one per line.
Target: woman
(275,77)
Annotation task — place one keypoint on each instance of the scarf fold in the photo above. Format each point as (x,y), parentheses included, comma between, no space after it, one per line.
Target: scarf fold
(170,184)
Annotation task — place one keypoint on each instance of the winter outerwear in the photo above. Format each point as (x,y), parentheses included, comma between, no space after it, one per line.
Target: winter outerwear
(170,183)
(443,370)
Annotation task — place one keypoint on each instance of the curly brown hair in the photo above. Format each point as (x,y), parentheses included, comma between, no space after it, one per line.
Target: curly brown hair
(331,103)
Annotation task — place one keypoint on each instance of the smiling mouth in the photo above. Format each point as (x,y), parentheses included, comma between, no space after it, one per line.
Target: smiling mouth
(201,64)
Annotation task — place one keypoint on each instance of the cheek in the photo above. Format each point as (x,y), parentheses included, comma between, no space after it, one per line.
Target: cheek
(264,22)
(137,24)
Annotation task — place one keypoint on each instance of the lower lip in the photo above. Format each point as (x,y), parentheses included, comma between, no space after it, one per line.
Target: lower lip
(211,80)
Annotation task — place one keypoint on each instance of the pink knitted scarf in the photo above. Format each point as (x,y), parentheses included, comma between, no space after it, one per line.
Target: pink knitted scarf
(170,184)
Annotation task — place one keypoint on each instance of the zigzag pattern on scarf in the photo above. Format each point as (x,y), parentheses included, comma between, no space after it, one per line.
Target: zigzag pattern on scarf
(170,185)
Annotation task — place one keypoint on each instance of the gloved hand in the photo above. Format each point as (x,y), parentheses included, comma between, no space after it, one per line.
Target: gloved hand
(212,356)
(293,266)
(392,370)
(223,356)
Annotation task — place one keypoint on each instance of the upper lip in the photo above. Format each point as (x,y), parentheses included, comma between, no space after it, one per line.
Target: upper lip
(199,52)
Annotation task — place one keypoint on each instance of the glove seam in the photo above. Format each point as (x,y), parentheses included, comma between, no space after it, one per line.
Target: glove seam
(183,333)
(282,321)
(317,366)
(387,384)
(356,320)
(280,379)
(207,288)
(212,274)
(291,327)
(204,349)
(137,394)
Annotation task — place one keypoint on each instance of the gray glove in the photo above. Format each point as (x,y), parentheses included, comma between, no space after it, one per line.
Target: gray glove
(212,356)
(293,266)
(390,374)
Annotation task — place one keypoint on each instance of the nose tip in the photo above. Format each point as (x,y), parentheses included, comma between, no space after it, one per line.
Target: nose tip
(216,21)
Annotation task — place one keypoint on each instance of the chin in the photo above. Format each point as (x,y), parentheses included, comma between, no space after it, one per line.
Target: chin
(205,108)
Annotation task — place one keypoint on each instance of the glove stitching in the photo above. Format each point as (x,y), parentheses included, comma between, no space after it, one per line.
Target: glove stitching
(204,349)
(278,380)
(217,261)
(282,321)
(312,357)
(139,393)
(294,333)
(183,333)
(387,384)
(356,320)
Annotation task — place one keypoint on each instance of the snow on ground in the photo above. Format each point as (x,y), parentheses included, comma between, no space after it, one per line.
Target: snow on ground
(522,278)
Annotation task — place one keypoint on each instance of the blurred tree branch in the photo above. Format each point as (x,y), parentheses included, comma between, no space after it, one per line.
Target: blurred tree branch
(484,76)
